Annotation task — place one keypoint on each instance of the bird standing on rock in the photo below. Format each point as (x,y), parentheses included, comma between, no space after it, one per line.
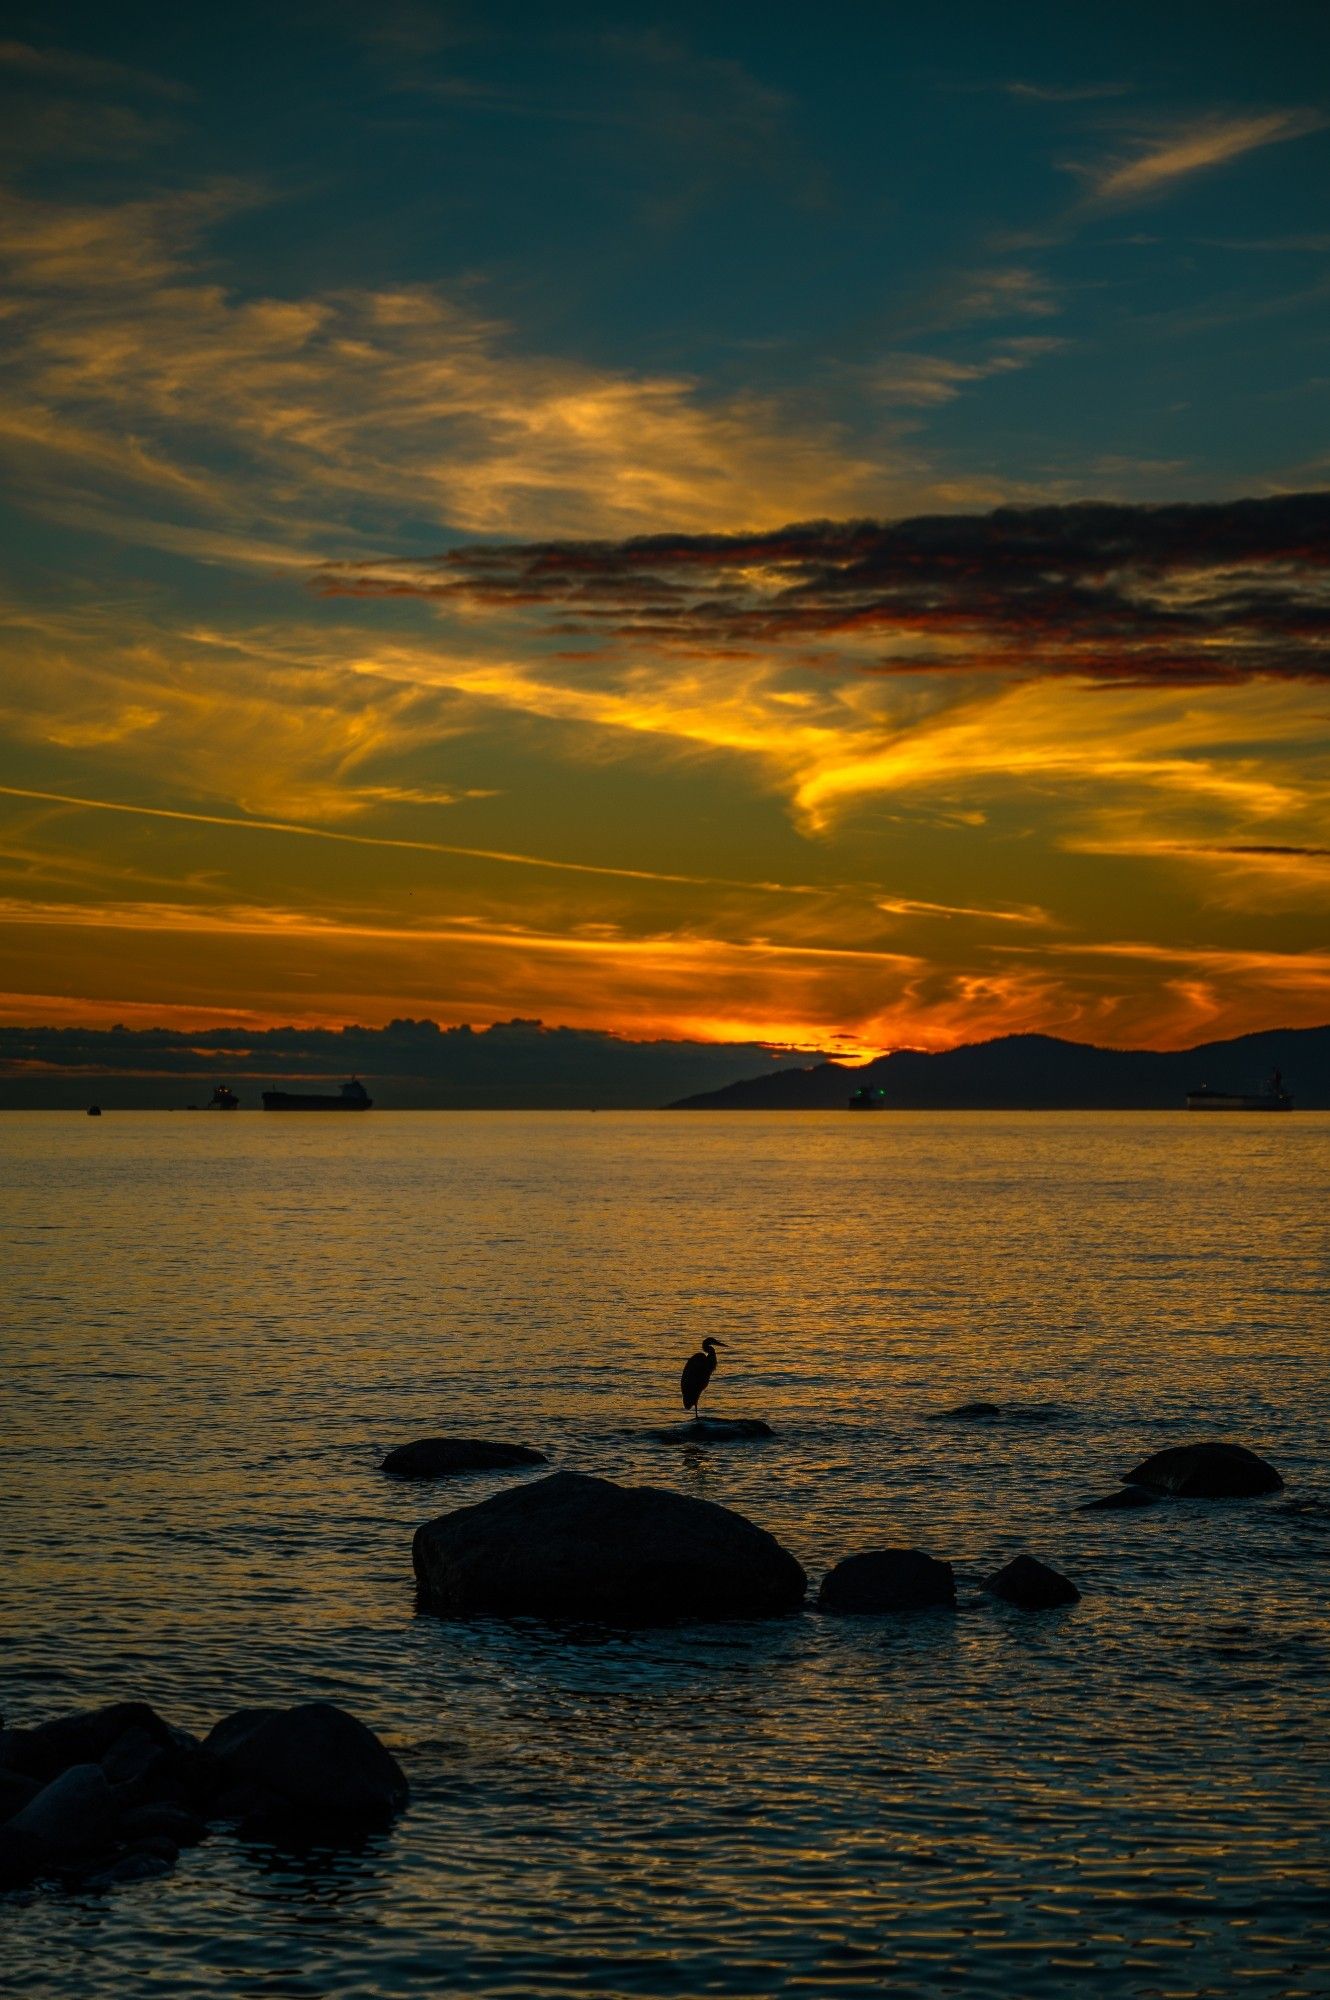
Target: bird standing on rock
(698,1370)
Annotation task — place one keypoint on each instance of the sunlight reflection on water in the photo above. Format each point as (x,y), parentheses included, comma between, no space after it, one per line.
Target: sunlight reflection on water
(219,1324)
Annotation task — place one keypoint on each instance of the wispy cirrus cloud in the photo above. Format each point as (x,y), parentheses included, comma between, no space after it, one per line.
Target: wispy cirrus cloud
(1159,161)
(131,366)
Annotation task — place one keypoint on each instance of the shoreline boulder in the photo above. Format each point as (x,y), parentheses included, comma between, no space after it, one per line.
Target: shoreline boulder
(888,1581)
(1208,1471)
(443,1457)
(1032,1585)
(573,1547)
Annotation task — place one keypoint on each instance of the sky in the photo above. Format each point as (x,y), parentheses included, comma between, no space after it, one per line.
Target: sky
(783,524)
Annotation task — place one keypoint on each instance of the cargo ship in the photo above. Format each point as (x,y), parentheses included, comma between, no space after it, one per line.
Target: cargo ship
(351,1097)
(1274,1097)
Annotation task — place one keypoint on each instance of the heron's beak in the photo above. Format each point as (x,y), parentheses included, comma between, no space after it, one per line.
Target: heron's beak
(720,1343)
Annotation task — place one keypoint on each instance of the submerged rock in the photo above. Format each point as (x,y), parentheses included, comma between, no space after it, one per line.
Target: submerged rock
(1125,1499)
(575,1547)
(1032,1585)
(1206,1472)
(441,1458)
(887,1580)
(314,1761)
(965,1413)
(714,1430)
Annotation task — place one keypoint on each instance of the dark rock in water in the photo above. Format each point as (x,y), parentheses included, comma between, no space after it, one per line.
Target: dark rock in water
(887,1580)
(315,1761)
(21,1860)
(571,1547)
(714,1430)
(15,1792)
(173,1823)
(440,1458)
(1032,1585)
(74,1813)
(966,1412)
(82,1738)
(1206,1472)
(1126,1498)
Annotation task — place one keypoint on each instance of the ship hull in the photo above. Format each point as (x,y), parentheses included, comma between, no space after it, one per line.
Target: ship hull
(283,1100)
(1215,1101)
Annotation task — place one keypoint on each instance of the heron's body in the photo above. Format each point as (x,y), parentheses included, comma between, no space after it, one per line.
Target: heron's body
(698,1370)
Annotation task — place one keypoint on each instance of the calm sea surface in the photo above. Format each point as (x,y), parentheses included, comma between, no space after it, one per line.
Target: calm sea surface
(217,1324)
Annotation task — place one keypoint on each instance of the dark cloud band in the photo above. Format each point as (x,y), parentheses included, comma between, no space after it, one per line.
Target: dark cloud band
(1150,594)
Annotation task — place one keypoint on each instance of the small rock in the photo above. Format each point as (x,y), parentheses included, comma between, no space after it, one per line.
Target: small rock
(965,1413)
(1032,1585)
(441,1458)
(131,1867)
(159,1845)
(1125,1498)
(76,1811)
(314,1761)
(887,1580)
(572,1547)
(1206,1472)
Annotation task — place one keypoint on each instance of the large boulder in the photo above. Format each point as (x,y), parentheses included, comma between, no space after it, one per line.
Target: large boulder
(887,1580)
(441,1458)
(574,1547)
(75,1813)
(314,1762)
(1125,1500)
(1206,1472)
(1032,1585)
(15,1792)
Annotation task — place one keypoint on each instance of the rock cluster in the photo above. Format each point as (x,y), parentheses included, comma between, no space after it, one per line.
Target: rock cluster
(113,1794)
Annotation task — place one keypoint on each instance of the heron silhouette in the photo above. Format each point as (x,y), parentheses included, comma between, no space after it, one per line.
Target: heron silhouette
(698,1370)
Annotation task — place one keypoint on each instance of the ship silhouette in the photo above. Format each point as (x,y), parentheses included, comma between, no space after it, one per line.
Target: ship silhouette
(351,1097)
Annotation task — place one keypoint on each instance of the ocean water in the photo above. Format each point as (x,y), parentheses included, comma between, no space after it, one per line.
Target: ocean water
(217,1324)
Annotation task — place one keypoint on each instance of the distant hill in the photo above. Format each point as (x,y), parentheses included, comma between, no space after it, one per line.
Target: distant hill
(1041,1073)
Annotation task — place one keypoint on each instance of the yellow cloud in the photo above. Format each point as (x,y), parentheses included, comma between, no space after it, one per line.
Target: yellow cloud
(1205,143)
(132,367)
